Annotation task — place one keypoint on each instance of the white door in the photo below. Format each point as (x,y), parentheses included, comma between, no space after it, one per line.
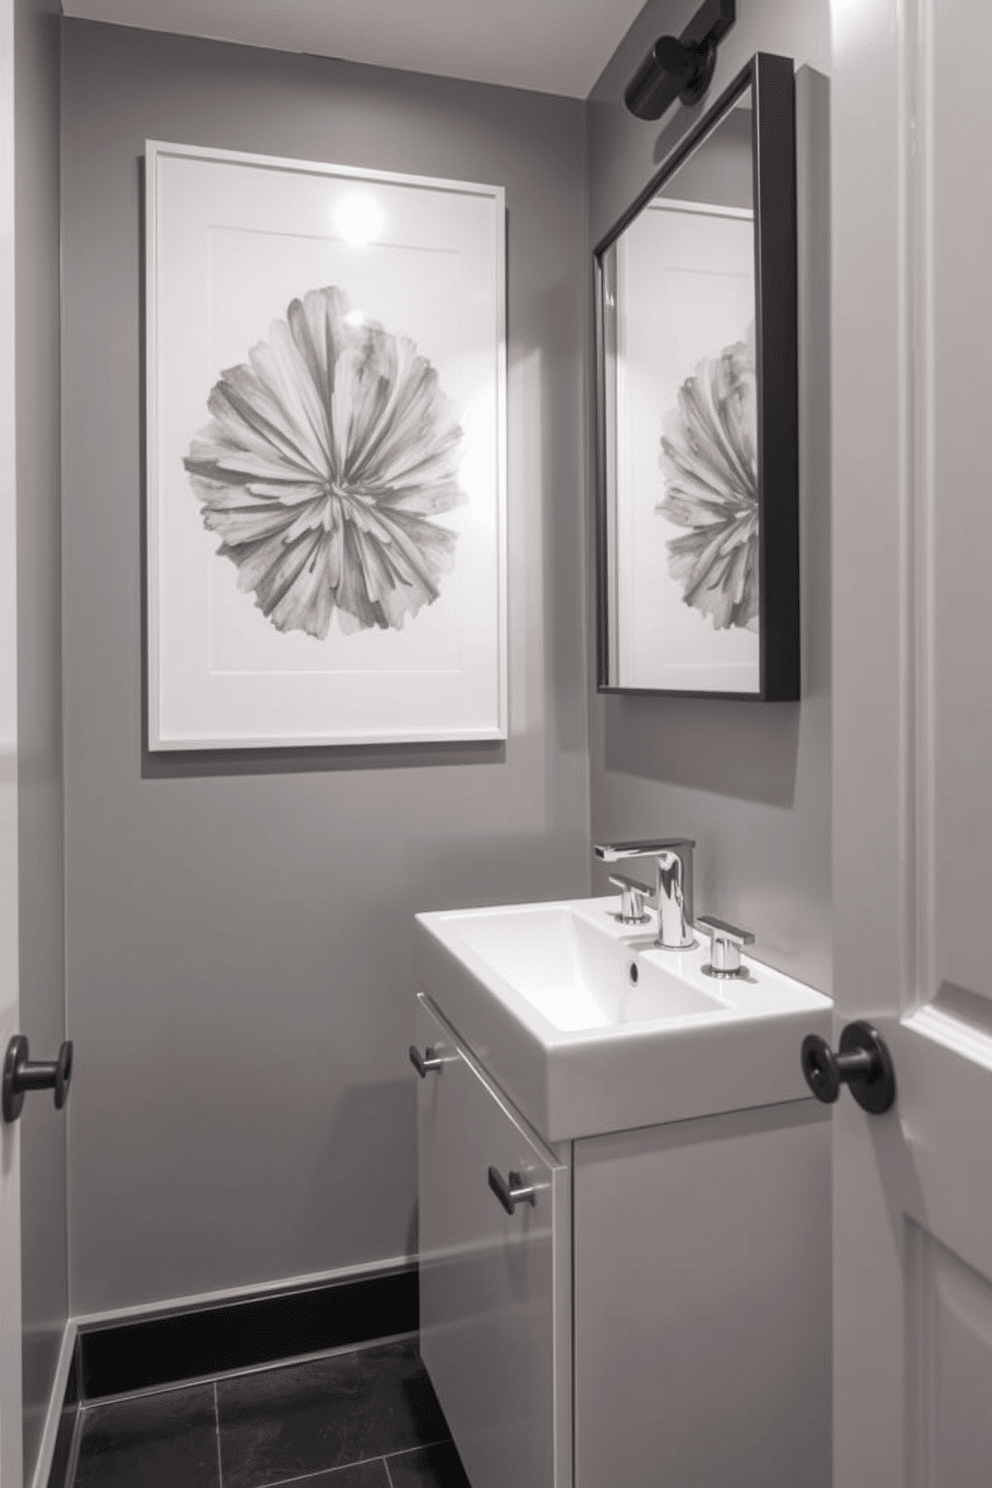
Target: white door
(912,652)
(10,1219)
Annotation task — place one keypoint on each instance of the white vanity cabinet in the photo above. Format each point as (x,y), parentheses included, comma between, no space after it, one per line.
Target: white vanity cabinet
(702,1302)
(495,1288)
(670,1287)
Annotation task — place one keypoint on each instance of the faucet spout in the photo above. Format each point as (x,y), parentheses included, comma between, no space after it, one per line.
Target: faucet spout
(674,925)
(673,883)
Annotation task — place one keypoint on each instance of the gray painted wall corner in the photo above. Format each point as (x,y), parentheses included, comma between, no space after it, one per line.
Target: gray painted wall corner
(239,928)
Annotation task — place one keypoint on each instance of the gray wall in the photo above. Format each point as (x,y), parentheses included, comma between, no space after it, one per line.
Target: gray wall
(751,782)
(42,1129)
(239,928)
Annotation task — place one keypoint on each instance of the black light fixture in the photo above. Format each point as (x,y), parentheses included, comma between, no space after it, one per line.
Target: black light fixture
(680,67)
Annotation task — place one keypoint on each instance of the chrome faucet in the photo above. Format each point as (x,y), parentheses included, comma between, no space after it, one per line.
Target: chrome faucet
(672,889)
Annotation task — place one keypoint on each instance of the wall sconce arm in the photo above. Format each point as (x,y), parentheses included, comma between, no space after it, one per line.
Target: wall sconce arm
(680,67)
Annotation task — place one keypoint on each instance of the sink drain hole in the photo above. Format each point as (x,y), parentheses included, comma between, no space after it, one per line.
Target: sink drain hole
(633,973)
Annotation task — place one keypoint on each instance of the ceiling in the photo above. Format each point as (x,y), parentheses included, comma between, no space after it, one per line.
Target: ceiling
(554,46)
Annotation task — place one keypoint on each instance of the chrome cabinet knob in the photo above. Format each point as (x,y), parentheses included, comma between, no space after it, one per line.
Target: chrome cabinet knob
(511,1190)
(426,1063)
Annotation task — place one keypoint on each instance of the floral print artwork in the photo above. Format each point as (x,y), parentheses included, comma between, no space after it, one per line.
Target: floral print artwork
(329,454)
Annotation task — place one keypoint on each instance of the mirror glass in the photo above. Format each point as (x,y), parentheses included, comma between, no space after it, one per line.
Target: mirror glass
(679,513)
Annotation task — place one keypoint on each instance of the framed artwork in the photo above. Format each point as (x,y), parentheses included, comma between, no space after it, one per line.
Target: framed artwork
(697,500)
(326,477)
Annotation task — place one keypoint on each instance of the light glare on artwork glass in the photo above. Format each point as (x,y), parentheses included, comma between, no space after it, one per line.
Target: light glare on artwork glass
(359,219)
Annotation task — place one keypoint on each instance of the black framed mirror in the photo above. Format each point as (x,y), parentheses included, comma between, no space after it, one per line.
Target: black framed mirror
(697,427)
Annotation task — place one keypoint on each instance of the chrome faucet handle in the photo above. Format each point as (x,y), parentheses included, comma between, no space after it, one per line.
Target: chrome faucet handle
(632,903)
(725,947)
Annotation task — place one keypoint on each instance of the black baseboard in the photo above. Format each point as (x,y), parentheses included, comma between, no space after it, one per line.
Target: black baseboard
(164,1349)
(168,1348)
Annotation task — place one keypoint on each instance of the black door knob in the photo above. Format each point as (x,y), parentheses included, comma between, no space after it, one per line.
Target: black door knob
(862,1062)
(21,1074)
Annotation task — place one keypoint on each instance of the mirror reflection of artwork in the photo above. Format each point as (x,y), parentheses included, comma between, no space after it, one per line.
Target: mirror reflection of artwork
(688,600)
(709,462)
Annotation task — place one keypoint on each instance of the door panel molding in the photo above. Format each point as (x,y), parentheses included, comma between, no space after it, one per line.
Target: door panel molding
(949,1313)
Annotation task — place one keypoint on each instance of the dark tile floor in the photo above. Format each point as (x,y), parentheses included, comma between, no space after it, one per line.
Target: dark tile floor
(363,1419)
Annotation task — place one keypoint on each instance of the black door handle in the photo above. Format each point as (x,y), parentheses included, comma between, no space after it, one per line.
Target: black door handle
(21,1074)
(862,1062)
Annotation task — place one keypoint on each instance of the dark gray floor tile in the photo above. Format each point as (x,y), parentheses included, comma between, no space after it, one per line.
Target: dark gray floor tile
(305,1418)
(428,1467)
(358,1475)
(401,1397)
(155,1441)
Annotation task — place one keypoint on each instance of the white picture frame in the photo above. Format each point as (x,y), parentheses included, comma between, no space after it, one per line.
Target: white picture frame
(326,541)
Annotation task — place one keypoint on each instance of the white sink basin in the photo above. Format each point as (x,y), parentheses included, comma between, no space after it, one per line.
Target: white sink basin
(570,973)
(588,1027)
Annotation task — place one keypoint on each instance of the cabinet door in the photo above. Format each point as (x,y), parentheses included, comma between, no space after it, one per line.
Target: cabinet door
(702,1303)
(494,1288)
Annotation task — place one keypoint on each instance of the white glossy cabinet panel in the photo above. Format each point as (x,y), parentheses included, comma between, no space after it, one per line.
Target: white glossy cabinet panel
(495,1304)
(702,1302)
